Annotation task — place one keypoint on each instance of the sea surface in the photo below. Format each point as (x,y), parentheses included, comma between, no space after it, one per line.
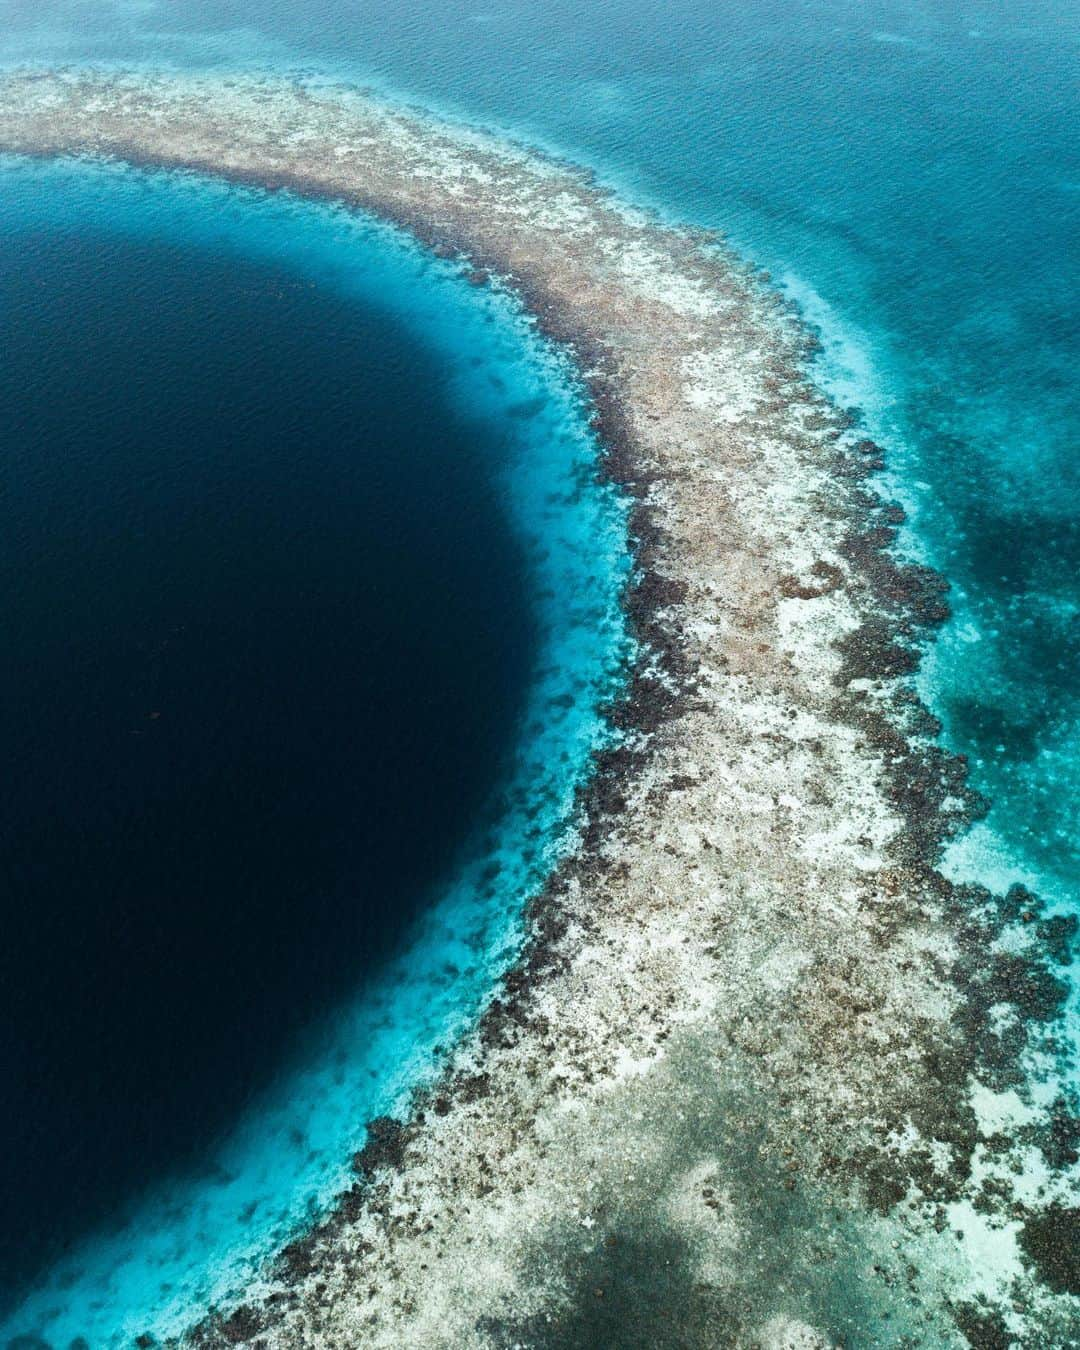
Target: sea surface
(907,171)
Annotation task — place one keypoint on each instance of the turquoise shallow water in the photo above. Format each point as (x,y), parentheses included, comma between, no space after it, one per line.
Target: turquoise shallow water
(908,171)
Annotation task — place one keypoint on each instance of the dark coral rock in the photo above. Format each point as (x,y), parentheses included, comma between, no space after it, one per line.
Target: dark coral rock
(826,578)
(658,592)
(1051,1242)
(982,1328)
(242,1325)
(297,1259)
(385,1147)
(871,652)
(1019,905)
(884,1189)
(472,1087)
(1028,985)
(1057,935)
(1061,1147)
(351,1206)
(861,460)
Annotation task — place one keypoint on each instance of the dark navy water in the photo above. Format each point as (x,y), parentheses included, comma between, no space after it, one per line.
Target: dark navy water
(267,638)
(909,172)
(310,602)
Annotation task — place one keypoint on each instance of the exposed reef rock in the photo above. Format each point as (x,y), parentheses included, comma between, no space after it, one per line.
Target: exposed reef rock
(763,1076)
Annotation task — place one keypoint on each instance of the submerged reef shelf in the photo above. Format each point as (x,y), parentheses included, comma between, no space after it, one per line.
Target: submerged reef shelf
(763,1076)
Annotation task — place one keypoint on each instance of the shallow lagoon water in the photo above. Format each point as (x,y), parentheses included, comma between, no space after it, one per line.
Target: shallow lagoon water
(268,462)
(909,175)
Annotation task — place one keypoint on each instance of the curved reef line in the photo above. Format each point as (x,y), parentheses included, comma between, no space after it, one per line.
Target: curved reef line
(763,1076)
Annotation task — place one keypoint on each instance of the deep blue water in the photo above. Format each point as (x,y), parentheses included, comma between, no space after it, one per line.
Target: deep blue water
(309,602)
(262,666)
(907,170)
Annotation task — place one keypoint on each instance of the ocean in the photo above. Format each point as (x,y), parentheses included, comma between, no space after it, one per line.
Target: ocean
(906,172)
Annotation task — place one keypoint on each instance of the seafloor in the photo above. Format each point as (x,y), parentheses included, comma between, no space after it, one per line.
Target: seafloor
(764,1077)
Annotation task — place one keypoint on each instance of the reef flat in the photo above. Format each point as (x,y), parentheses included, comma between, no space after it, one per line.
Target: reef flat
(763,1076)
